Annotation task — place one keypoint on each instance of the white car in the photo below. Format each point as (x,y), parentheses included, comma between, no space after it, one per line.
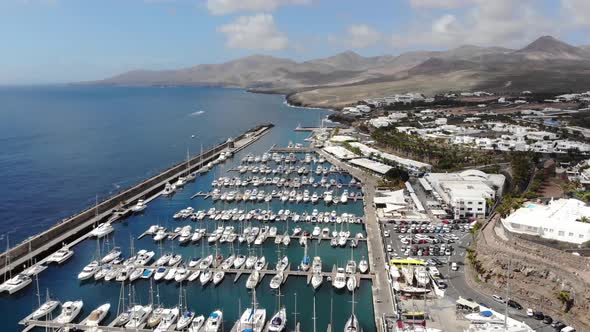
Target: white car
(448,252)
(529,312)
(386,233)
(389,248)
(498,298)
(454,266)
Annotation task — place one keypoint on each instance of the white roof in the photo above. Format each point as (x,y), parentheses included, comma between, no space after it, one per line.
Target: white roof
(366,150)
(391,197)
(374,166)
(342,138)
(561,214)
(339,152)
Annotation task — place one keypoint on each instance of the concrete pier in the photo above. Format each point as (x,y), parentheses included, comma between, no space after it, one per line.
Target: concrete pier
(72,230)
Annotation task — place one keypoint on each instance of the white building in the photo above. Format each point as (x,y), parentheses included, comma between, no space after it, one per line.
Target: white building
(465,193)
(364,108)
(559,220)
(411,166)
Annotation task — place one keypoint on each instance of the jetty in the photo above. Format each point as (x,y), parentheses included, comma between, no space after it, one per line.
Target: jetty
(70,231)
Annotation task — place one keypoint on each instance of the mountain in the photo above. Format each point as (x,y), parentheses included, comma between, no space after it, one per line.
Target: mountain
(549,48)
(546,64)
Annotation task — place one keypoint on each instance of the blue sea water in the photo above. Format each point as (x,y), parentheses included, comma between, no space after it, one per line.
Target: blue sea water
(61,146)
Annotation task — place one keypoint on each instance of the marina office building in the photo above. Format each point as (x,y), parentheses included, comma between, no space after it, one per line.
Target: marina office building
(561,220)
(464,193)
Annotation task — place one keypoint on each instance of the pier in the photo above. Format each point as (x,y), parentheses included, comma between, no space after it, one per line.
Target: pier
(72,230)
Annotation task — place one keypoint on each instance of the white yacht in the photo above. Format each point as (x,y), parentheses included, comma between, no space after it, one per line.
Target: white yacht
(352,324)
(214,322)
(15,284)
(197,324)
(169,189)
(277,280)
(351,283)
(218,277)
(253,279)
(205,277)
(340,280)
(260,263)
(112,255)
(344,197)
(252,319)
(138,316)
(46,308)
(168,319)
(97,315)
(185,320)
(363,265)
(89,270)
(278,322)
(328,199)
(139,206)
(102,230)
(160,273)
(60,256)
(69,311)
(316,280)
(239,261)
(250,261)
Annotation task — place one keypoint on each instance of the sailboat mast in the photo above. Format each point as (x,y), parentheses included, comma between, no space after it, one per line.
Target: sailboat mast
(38,291)
(314,316)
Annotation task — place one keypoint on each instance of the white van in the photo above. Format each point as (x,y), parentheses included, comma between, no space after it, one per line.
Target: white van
(568,329)
(454,266)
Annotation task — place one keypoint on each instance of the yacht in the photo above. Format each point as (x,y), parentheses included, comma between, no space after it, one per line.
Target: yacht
(69,311)
(283,264)
(278,322)
(60,256)
(239,261)
(351,283)
(260,263)
(102,230)
(363,265)
(15,284)
(138,316)
(155,318)
(253,319)
(181,274)
(197,324)
(253,279)
(97,315)
(205,277)
(45,309)
(344,197)
(139,206)
(168,189)
(112,255)
(314,198)
(277,280)
(168,319)
(316,280)
(214,322)
(180,182)
(304,263)
(351,266)
(206,262)
(340,280)
(161,272)
(163,260)
(250,261)
(89,270)
(218,277)
(185,320)
(174,260)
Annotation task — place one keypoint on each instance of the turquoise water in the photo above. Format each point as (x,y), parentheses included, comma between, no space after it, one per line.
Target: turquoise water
(55,165)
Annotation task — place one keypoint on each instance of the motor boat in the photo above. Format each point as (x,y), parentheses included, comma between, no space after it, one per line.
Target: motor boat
(60,256)
(340,279)
(15,284)
(155,318)
(197,324)
(174,260)
(283,264)
(218,277)
(89,270)
(102,230)
(69,311)
(169,189)
(260,263)
(363,266)
(351,283)
(278,322)
(205,277)
(97,315)
(169,317)
(111,256)
(250,261)
(171,274)
(194,275)
(253,279)
(163,260)
(316,280)
(139,206)
(351,266)
(206,262)
(304,266)
(138,316)
(228,262)
(214,322)
(161,272)
(181,274)
(239,261)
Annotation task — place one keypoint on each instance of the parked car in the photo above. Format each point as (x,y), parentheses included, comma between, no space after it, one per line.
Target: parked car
(441,284)
(514,304)
(538,315)
(547,319)
(529,312)
(386,233)
(498,298)
(454,266)
(389,248)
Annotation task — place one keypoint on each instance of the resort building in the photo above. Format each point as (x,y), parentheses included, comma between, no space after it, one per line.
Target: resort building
(564,220)
(465,193)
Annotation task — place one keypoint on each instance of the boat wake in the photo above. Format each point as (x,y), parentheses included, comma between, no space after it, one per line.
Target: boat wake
(197,113)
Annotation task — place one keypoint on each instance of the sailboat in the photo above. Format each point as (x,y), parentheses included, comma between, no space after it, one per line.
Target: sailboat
(253,319)
(352,324)
(46,308)
(186,316)
(278,322)
(304,266)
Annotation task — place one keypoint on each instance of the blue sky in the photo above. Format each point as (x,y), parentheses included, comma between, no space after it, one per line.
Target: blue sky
(46,41)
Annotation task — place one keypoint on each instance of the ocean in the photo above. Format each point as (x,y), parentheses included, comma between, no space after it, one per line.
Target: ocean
(62,146)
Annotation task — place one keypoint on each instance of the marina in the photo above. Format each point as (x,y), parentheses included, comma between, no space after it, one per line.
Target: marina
(178,238)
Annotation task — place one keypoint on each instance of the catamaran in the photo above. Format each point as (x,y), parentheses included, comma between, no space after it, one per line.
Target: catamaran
(60,256)
(253,319)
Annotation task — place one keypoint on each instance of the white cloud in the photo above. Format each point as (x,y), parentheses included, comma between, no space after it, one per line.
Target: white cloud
(257,32)
(222,7)
(361,36)
(439,3)
(486,23)
(578,10)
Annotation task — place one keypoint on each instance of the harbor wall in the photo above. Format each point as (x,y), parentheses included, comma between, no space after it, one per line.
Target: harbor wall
(66,229)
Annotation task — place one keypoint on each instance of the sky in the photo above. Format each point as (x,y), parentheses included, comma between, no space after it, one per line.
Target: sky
(56,41)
